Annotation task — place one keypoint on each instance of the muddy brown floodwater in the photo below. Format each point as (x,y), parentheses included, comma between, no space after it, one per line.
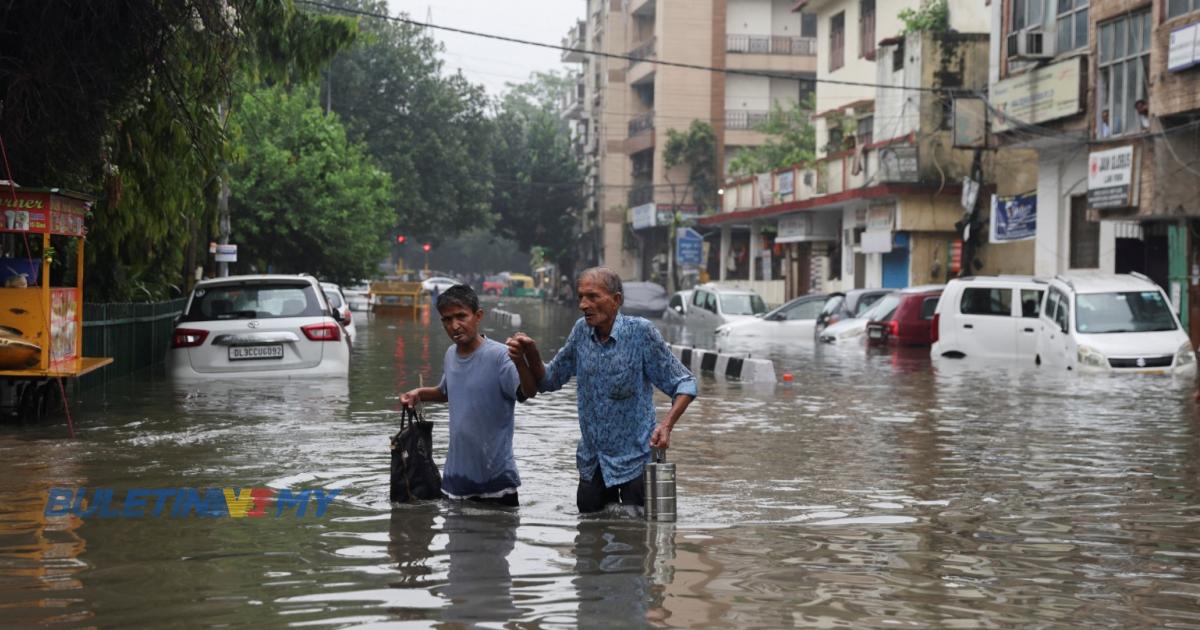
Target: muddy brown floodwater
(874,491)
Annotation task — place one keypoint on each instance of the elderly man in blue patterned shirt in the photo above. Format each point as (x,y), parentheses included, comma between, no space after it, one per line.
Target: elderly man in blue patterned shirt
(615,360)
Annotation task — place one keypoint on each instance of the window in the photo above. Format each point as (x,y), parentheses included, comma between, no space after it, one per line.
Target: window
(1026,13)
(698,299)
(710,302)
(865,130)
(1030,299)
(1051,302)
(676,303)
(808,25)
(1176,8)
(986,301)
(805,309)
(1071,25)
(253,301)
(1124,68)
(898,57)
(1062,314)
(1085,236)
(929,307)
(742,304)
(837,41)
(866,28)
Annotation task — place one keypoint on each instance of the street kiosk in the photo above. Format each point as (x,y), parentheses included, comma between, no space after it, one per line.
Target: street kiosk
(41,326)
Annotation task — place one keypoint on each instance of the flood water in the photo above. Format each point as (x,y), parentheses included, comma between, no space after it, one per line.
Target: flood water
(874,491)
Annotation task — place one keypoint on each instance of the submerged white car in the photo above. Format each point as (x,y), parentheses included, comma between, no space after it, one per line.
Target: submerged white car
(258,326)
(338,301)
(848,330)
(1111,323)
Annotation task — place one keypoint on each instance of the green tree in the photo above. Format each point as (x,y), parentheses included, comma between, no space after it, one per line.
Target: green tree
(121,99)
(697,150)
(538,182)
(428,130)
(791,140)
(306,198)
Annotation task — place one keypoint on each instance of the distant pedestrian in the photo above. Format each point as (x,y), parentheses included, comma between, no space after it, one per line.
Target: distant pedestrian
(481,383)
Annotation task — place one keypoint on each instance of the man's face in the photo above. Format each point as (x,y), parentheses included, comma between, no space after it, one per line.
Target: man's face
(599,307)
(461,325)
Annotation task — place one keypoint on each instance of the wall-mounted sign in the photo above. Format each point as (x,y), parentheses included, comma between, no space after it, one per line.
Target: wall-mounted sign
(787,182)
(1184,49)
(898,164)
(1013,218)
(1112,178)
(226,253)
(881,217)
(970,123)
(1036,96)
(689,247)
(643,216)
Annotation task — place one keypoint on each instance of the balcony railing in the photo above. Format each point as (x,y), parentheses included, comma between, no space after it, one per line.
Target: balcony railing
(745,118)
(644,50)
(771,45)
(641,124)
(640,194)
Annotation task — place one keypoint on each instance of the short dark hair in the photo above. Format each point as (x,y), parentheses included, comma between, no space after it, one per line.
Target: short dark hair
(458,295)
(609,279)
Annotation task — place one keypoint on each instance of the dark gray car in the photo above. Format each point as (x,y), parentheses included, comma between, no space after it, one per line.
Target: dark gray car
(644,299)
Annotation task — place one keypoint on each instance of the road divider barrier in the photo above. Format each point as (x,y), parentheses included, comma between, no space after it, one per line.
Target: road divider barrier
(726,365)
(506,318)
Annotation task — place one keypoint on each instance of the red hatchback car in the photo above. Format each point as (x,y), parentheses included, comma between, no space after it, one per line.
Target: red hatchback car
(911,322)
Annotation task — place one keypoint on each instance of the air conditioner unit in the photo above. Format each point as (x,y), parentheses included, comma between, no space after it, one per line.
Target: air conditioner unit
(1030,44)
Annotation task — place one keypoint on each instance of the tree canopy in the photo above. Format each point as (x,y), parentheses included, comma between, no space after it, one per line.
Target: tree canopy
(695,149)
(791,140)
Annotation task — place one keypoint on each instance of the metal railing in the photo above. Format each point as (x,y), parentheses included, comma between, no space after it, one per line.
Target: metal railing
(644,50)
(771,45)
(134,335)
(745,118)
(641,123)
(640,194)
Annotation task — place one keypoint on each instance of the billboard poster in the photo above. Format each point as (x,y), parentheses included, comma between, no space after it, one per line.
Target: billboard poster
(64,329)
(1013,218)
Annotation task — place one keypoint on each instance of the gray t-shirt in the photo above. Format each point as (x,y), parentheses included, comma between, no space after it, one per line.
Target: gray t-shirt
(482,389)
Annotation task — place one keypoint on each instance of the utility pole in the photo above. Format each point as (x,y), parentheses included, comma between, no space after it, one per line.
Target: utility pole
(223,224)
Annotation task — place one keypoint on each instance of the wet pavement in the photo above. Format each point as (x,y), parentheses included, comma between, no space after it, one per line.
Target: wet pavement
(874,491)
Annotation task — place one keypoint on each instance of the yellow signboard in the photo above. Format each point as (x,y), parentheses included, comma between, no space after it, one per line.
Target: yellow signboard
(1036,96)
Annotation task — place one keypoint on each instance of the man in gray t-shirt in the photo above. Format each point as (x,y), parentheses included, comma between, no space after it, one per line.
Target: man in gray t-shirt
(481,383)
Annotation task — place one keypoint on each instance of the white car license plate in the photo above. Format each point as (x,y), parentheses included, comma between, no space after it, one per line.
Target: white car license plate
(876,333)
(245,353)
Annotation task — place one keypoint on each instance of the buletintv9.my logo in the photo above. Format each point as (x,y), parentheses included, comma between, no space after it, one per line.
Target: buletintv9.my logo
(227,502)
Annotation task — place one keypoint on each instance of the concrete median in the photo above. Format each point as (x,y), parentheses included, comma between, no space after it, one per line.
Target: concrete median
(729,366)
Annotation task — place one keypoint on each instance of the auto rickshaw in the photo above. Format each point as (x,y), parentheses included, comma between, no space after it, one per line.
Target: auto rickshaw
(41,326)
(521,285)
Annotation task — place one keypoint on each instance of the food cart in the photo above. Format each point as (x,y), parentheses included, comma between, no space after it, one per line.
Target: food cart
(41,326)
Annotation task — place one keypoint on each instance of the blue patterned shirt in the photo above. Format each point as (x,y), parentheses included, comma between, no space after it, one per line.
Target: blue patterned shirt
(615,399)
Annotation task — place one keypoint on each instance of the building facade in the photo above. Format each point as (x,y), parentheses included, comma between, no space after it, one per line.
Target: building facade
(880,205)
(1107,94)
(628,106)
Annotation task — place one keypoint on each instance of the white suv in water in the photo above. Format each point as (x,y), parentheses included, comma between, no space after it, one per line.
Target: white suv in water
(1111,323)
(259,326)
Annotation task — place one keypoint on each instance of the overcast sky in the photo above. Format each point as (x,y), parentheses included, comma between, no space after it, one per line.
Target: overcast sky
(489,62)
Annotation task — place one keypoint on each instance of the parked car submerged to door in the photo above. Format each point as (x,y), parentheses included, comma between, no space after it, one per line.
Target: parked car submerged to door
(794,321)
(713,305)
(911,322)
(988,317)
(258,326)
(1111,323)
(644,299)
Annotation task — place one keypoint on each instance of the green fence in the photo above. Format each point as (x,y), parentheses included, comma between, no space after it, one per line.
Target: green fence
(134,335)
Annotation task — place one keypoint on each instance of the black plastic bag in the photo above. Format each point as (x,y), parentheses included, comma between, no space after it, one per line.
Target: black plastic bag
(415,475)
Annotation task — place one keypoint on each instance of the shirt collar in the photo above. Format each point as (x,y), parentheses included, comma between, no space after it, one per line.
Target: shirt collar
(617,329)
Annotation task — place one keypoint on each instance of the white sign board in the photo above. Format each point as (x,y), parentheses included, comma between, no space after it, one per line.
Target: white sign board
(226,253)
(876,243)
(1111,178)
(1183,52)
(643,216)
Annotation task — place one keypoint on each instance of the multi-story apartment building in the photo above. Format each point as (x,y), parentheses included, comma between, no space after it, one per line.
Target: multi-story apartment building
(1108,94)
(628,105)
(880,205)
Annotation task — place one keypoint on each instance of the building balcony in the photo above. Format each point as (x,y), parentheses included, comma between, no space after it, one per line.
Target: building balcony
(641,194)
(571,103)
(771,45)
(641,124)
(745,118)
(641,73)
(643,8)
(577,39)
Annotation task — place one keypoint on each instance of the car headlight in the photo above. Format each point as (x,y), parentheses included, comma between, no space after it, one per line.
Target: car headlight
(1088,356)
(1185,355)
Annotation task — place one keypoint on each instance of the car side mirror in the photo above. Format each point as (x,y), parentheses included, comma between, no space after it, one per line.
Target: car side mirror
(1063,328)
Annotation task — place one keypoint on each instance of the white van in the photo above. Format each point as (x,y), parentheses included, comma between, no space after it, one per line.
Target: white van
(1111,323)
(988,317)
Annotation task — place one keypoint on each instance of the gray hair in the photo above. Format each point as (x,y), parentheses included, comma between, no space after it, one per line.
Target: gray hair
(606,277)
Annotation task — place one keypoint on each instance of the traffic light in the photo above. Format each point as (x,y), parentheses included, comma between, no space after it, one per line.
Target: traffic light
(400,239)
(425,247)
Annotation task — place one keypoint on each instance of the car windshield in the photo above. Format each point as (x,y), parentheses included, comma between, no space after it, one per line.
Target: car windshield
(882,309)
(1133,311)
(742,304)
(866,302)
(257,301)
